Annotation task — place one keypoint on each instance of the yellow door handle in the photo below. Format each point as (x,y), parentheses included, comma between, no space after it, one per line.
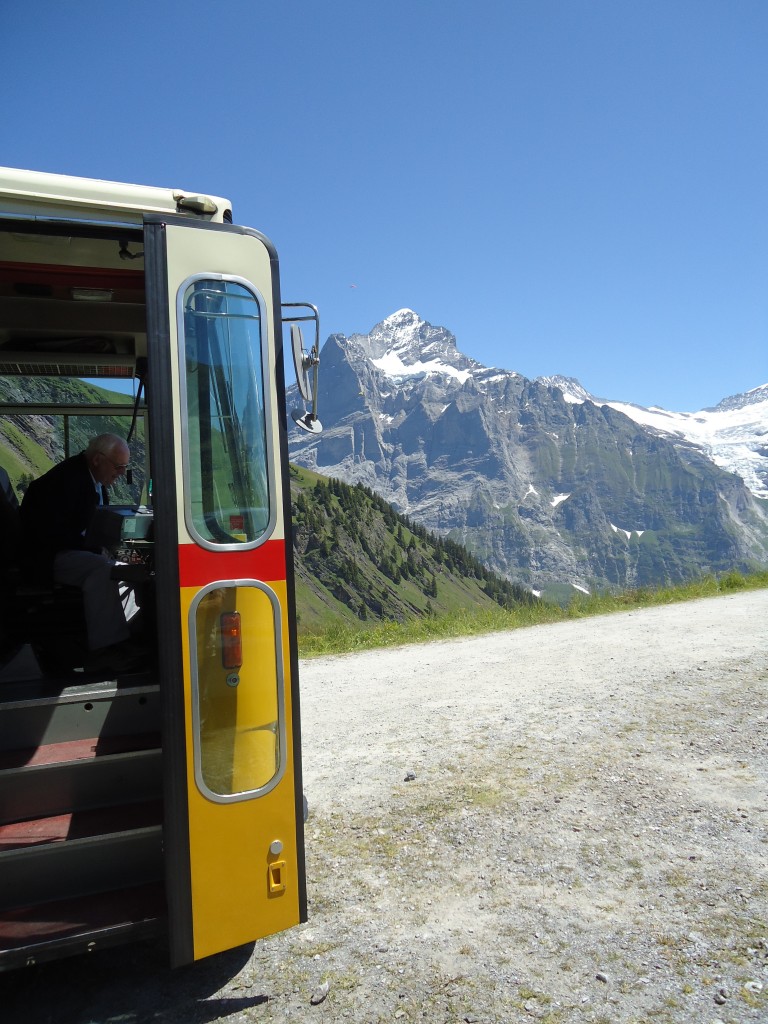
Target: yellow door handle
(277,876)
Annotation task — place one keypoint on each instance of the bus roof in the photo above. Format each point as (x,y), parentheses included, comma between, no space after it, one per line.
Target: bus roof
(62,196)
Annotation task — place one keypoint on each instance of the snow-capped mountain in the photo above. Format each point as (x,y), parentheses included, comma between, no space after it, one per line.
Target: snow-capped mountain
(734,434)
(407,349)
(541,480)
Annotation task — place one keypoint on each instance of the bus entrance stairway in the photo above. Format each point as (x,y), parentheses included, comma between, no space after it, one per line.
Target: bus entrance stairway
(81,860)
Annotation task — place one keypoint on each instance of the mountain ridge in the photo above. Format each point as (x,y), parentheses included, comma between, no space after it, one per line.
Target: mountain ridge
(485,455)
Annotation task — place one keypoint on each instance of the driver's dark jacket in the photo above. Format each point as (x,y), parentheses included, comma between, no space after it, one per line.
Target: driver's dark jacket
(55,513)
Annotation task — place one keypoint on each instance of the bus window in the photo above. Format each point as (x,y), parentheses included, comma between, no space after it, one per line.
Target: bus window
(227,465)
(33,441)
(238,703)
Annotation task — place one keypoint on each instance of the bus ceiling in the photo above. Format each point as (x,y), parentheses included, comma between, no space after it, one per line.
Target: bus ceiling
(71,303)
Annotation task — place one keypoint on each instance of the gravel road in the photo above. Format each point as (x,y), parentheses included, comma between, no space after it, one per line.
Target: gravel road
(565,823)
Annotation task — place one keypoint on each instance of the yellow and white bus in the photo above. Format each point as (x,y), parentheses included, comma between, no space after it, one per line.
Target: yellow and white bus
(166,799)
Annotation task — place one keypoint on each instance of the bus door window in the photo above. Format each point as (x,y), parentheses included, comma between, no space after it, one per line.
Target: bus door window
(228,485)
(239,740)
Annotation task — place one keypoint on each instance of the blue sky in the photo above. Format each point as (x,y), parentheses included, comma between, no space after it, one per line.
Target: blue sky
(569,186)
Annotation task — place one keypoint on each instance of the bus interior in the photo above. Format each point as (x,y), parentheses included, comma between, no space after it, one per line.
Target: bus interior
(81,843)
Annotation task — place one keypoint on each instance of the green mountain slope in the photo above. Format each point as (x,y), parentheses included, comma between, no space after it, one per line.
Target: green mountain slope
(357,559)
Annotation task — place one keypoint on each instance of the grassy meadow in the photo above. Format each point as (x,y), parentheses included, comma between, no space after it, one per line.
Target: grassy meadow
(343,637)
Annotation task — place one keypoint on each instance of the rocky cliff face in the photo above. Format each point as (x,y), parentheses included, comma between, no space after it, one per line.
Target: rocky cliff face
(539,480)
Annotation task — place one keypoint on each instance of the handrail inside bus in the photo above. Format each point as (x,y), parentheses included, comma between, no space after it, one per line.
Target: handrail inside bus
(40,409)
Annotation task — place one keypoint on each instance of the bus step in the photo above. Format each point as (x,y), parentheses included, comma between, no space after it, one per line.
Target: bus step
(47,931)
(77,854)
(38,712)
(78,775)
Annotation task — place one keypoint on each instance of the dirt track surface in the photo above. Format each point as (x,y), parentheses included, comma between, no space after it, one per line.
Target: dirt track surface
(565,824)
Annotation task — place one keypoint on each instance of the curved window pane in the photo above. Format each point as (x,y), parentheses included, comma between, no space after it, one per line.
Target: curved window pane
(228,482)
(238,737)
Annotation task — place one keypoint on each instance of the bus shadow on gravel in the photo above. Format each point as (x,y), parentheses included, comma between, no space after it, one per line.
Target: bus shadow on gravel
(131,985)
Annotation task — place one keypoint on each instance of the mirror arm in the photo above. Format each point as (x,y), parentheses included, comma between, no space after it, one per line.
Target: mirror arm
(303,363)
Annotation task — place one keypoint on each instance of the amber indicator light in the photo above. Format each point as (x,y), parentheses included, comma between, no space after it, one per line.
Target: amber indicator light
(231,640)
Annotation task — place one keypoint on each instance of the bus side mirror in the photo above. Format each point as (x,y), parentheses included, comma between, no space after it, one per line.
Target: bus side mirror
(306,366)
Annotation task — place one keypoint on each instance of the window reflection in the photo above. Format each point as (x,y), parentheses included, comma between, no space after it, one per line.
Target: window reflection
(239,746)
(227,462)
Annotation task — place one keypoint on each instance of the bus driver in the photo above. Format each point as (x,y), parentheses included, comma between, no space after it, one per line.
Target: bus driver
(55,514)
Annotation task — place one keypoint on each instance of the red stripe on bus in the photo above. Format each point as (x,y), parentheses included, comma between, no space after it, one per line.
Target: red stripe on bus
(198,566)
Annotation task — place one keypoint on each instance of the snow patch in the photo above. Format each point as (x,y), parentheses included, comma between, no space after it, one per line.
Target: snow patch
(392,365)
(401,316)
(627,533)
(559,499)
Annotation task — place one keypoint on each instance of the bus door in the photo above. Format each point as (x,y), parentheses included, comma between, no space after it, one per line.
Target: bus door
(233,830)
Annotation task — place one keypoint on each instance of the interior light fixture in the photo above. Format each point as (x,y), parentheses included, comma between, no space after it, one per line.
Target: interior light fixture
(92,294)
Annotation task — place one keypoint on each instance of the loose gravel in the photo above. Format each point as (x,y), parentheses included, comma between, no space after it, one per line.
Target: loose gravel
(562,824)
